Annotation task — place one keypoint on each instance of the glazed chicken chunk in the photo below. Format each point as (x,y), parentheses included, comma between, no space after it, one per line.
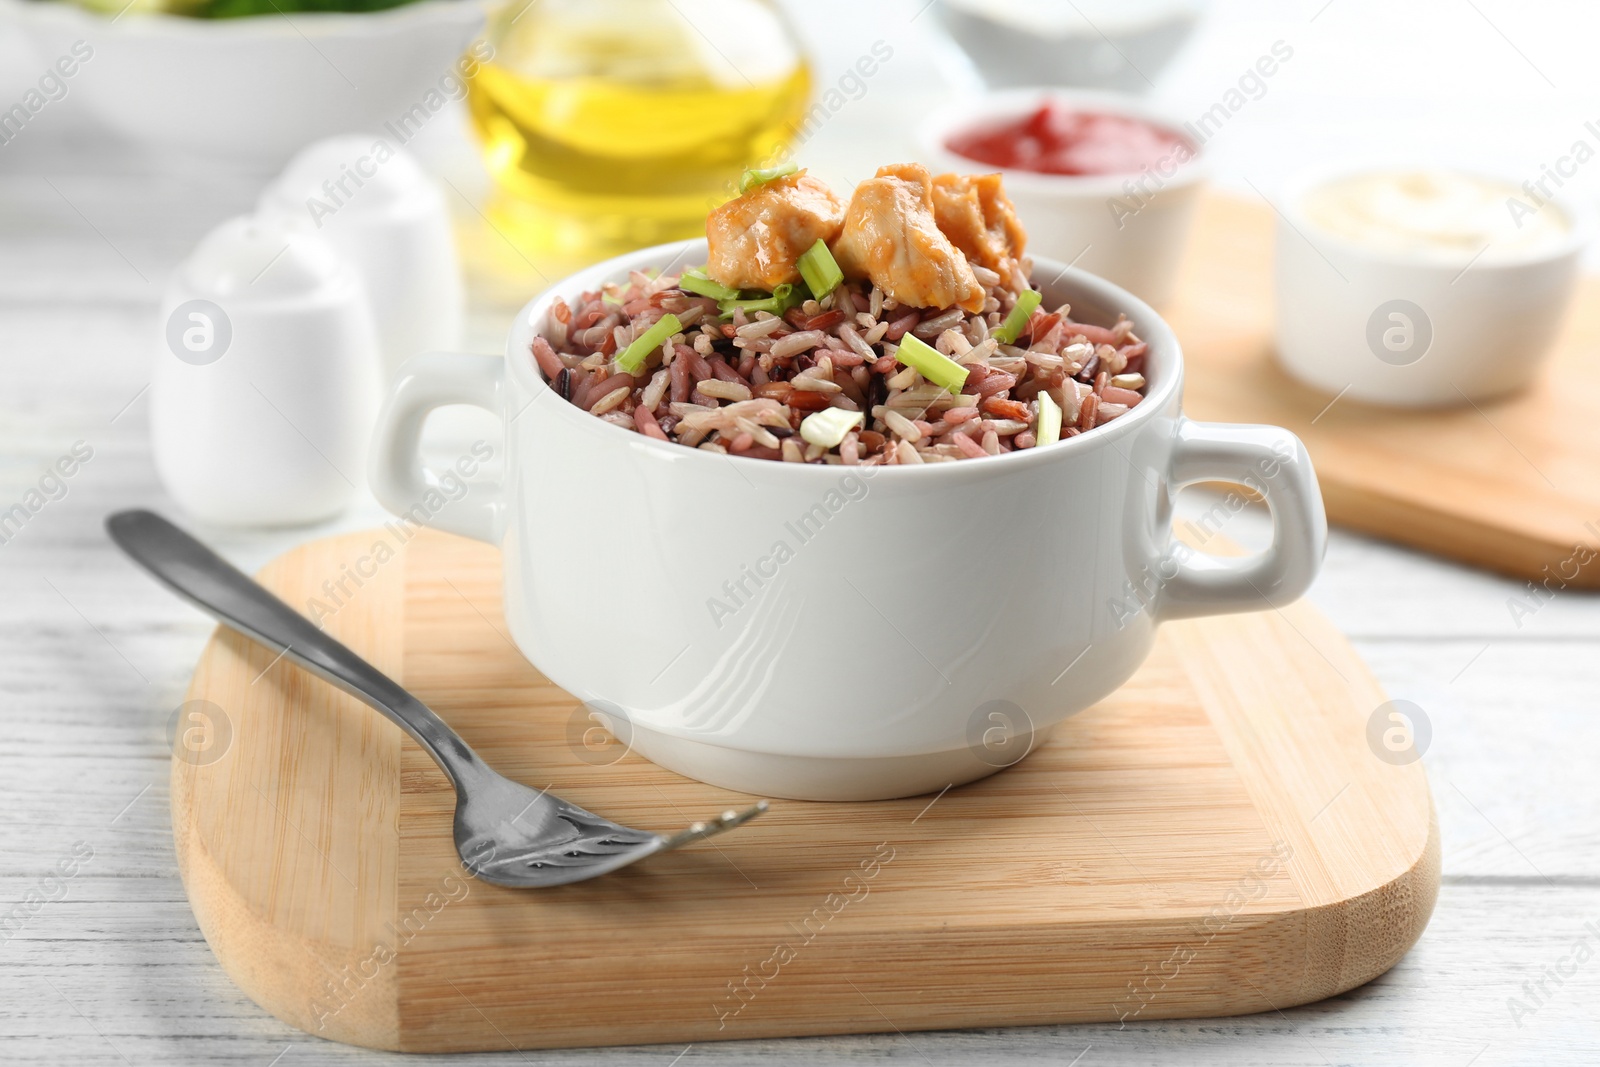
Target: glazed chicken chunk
(891,237)
(974,212)
(757,238)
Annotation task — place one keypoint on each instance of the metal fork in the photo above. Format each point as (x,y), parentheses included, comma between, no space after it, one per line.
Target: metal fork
(505,832)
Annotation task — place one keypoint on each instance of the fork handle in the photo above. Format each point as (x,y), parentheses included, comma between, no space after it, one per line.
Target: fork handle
(236,600)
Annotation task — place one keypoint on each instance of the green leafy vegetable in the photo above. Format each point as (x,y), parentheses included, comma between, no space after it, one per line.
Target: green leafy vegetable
(762,175)
(932,364)
(784,297)
(631,360)
(221,9)
(695,281)
(1049,431)
(229,9)
(819,269)
(1017,320)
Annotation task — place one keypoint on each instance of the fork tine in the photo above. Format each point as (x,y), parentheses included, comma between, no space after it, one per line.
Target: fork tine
(699,831)
(601,852)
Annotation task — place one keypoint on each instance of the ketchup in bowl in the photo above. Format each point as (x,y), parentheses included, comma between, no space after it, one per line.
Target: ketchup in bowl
(1062,140)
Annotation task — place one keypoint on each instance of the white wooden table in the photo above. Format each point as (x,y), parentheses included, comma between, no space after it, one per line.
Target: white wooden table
(94,657)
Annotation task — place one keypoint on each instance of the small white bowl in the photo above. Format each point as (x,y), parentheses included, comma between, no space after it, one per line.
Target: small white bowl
(1100,223)
(1405,330)
(1109,44)
(253,88)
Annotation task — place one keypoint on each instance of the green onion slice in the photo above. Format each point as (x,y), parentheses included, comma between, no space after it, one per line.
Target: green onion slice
(826,428)
(819,269)
(762,175)
(631,360)
(1017,319)
(784,297)
(1049,431)
(932,364)
(695,281)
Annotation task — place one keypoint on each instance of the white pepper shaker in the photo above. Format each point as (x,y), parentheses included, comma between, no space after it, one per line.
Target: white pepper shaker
(373,202)
(266,379)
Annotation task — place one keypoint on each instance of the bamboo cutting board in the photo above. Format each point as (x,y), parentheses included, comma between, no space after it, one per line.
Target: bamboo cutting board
(1511,485)
(1218,837)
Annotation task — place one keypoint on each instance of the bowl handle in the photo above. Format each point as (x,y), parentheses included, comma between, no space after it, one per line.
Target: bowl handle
(1274,463)
(399,480)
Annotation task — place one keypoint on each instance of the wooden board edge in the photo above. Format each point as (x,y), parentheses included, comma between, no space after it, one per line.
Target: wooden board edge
(281,973)
(1294,779)
(1403,906)
(1285,948)
(344,993)
(1372,932)
(1507,553)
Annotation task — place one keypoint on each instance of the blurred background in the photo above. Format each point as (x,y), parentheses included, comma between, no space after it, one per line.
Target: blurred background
(553,133)
(85,205)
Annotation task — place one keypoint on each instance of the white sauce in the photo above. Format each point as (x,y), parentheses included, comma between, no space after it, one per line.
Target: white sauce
(1442,215)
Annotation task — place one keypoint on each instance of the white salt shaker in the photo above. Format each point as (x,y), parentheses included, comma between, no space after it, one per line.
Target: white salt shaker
(266,379)
(371,200)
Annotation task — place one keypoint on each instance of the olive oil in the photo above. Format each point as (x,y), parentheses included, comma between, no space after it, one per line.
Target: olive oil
(615,124)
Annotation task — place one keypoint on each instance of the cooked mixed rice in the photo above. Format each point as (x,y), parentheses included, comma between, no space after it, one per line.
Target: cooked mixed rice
(832,380)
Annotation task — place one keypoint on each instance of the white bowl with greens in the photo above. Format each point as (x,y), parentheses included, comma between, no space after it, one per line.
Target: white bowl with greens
(251,79)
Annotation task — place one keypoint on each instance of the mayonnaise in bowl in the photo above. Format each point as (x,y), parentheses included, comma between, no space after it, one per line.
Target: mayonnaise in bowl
(1419,287)
(1434,215)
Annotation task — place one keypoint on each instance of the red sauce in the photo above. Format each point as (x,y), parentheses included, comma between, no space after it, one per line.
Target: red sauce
(1060,140)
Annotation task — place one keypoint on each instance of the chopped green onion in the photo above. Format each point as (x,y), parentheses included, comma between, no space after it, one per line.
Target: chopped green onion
(1049,431)
(1017,320)
(695,281)
(762,175)
(826,428)
(631,360)
(819,269)
(782,299)
(932,364)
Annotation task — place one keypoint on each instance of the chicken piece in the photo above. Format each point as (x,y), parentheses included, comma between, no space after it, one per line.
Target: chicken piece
(756,238)
(890,237)
(974,212)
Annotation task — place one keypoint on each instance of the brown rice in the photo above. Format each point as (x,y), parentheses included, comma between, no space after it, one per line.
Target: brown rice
(744,385)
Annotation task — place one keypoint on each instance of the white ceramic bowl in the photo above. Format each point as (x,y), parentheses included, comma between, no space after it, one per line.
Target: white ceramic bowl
(252,88)
(1412,331)
(881,631)
(1110,44)
(1104,224)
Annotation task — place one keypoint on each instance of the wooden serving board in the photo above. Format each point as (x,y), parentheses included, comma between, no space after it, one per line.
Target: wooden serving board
(1216,838)
(1511,485)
